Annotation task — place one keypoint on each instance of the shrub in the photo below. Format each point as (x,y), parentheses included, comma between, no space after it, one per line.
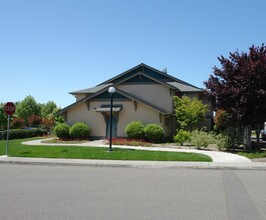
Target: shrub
(224,142)
(202,139)
(62,131)
(79,130)
(22,133)
(34,120)
(154,133)
(17,123)
(48,123)
(135,130)
(182,136)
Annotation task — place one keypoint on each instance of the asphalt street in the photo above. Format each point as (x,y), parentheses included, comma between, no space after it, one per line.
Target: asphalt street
(80,192)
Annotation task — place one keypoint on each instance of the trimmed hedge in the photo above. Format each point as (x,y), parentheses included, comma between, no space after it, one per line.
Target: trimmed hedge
(154,133)
(135,130)
(62,130)
(21,133)
(79,130)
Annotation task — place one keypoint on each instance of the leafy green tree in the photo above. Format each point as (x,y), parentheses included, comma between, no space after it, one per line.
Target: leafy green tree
(28,107)
(189,112)
(56,116)
(48,108)
(3,116)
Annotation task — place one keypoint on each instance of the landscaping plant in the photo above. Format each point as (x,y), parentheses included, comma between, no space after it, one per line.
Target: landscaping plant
(224,142)
(201,138)
(135,130)
(79,130)
(182,136)
(238,87)
(62,131)
(154,133)
(189,112)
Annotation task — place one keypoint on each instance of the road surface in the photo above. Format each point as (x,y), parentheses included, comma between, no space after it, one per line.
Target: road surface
(65,192)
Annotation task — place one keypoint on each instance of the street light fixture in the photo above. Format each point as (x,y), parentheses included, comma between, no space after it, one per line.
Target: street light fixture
(111,90)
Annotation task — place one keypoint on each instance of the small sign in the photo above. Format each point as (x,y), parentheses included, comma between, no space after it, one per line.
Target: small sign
(9,108)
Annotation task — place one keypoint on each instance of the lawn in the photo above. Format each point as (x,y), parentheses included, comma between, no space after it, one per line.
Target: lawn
(16,149)
(253,155)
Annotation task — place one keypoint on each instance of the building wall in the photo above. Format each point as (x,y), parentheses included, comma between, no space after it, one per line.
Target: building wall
(156,94)
(143,114)
(96,121)
(79,96)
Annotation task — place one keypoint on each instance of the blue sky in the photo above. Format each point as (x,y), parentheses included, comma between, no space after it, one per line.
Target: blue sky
(49,48)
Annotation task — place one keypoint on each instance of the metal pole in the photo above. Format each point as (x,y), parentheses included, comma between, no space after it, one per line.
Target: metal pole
(7,134)
(111,124)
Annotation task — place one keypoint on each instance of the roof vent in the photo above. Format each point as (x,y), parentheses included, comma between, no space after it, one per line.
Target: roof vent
(164,70)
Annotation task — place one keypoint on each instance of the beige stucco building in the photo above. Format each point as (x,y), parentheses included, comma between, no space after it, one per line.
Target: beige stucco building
(142,94)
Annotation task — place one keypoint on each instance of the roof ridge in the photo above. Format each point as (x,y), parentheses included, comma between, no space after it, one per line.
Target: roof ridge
(151,68)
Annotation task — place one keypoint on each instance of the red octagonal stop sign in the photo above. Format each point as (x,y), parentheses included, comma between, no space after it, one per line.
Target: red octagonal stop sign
(9,108)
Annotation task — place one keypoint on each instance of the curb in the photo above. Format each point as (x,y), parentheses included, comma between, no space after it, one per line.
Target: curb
(135,164)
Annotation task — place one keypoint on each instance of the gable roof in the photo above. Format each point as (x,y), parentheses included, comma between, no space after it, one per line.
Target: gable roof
(148,72)
(183,87)
(92,89)
(143,71)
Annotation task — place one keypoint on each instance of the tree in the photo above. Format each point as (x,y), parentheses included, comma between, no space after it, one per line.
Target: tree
(17,123)
(189,112)
(238,87)
(48,108)
(56,116)
(3,116)
(34,120)
(28,107)
(48,123)
(221,120)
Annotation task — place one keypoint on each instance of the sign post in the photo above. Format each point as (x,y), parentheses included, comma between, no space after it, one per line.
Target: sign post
(9,109)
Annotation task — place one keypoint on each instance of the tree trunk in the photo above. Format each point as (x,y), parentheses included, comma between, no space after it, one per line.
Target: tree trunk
(258,137)
(246,137)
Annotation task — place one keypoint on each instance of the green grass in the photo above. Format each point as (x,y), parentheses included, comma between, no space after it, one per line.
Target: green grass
(253,155)
(16,149)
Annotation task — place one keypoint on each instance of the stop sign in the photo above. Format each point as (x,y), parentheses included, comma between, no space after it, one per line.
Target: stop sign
(9,108)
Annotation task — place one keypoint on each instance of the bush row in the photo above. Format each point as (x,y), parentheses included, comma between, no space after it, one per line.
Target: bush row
(202,139)
(152,132)
(21,133)
(79,130)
